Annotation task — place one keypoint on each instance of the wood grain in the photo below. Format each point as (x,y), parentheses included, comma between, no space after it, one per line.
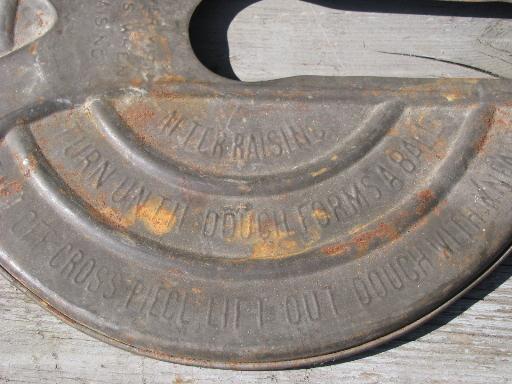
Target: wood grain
(279,38)
(469,343)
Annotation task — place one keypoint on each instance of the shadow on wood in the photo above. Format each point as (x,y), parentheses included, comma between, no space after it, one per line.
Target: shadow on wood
(212,19)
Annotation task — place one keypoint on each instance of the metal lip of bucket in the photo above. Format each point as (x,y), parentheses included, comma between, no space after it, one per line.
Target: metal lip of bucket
(304,363)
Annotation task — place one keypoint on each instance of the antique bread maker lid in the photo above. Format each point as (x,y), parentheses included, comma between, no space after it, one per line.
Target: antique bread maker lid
(200,220)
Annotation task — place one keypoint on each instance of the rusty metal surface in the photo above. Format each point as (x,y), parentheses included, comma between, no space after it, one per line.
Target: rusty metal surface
(238,225)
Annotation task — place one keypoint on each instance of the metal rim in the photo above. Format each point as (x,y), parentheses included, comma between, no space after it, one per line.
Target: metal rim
(282,365)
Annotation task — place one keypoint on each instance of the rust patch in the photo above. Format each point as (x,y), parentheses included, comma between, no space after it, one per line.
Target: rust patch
(138,115)
(117,218)
(502,121)
(152,215)
(136,82)
(448,88)
(8,188)
(279,248)
(156,219)
(40,19)
(425,199)
(481,143)
(336,250)
(361,242)
(489,122)
(166,79)
(320,172)
(33,48)
(321,215)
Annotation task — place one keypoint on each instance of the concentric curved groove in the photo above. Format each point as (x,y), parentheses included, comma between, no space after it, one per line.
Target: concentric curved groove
(132,247)
(8,10)
(49,186)
(109,122)
(356,146)
(37,288)
(462,153)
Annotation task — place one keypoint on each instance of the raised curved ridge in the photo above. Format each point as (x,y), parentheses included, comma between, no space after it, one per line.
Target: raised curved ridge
(8,9)
(129,245)
(355,147)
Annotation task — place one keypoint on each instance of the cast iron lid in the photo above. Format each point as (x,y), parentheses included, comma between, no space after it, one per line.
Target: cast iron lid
(205,221)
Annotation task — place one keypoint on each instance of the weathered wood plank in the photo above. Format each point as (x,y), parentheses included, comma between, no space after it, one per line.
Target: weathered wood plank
(273,39)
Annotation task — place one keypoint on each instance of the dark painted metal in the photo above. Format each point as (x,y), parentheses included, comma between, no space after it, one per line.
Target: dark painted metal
(250,226)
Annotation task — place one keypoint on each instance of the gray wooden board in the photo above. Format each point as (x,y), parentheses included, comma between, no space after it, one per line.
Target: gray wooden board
(279,38)
(471,342)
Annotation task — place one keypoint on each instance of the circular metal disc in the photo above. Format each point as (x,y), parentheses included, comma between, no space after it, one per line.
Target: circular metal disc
(216,223)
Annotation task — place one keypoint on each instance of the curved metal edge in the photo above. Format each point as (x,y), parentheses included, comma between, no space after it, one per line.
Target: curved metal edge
(311,362)
(8,9)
